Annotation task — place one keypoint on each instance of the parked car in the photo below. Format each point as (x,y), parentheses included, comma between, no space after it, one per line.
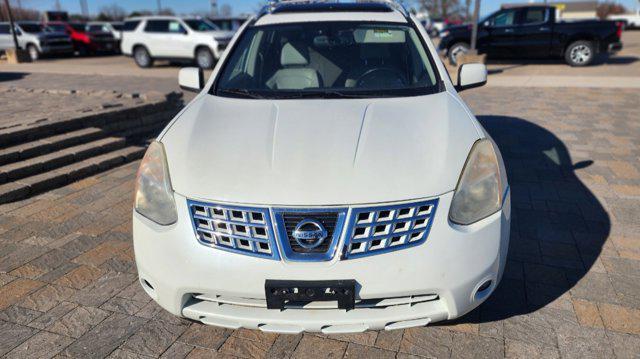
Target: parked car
(36,39)
(632,20)
(328,178)
(152,38)
(114,28)
(533,32)
(86,42)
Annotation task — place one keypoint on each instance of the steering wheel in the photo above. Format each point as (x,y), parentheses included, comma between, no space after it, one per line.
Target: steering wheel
(381,77)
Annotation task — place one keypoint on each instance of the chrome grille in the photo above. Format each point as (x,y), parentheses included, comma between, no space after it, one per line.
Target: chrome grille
(328,220)
(378,230)
(286,221)
(242,230)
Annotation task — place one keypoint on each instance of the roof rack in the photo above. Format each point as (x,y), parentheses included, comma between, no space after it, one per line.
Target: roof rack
(288,6)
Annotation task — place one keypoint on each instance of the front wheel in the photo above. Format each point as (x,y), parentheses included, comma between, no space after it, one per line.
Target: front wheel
(204,58)
(142,57)
(34,54)
(456,51)
(579,53)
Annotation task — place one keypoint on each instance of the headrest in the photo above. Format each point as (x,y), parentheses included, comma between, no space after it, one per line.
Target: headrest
(294,55)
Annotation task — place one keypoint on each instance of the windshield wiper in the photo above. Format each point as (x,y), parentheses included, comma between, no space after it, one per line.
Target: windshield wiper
(241,92)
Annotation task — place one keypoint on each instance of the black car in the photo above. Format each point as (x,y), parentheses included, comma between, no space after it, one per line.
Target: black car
(533,32)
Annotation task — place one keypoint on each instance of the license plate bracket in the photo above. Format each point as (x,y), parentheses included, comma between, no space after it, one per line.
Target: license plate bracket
(281,292)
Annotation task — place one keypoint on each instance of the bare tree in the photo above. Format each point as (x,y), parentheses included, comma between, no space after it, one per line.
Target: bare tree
(19,13)
(440,8)
(609,8)
(113,12)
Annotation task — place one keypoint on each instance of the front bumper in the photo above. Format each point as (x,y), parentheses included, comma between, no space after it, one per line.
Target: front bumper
(435,281)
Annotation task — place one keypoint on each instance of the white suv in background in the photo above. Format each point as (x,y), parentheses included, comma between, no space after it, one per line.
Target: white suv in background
(173,38)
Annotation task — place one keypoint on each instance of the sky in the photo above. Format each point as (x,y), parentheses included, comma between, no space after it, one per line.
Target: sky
(190,6)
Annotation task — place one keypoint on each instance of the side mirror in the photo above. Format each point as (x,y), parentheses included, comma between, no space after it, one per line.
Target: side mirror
(191,79)
(486,24)
(471,76)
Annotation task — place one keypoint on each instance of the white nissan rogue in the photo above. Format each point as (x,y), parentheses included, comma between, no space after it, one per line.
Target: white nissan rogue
(326,178)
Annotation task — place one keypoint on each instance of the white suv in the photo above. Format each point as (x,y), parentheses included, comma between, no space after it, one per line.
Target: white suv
(326,178)
(173,38)
(37,39)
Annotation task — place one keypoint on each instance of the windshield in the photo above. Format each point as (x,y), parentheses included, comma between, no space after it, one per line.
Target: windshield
(57,28)
(200,25)
(118,27)
(328,59)
(78,27)
(32,28)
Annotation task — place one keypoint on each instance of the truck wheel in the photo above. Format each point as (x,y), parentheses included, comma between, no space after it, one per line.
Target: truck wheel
(142,57)
(459,48)
(34,54)
(579,53)
(204,58)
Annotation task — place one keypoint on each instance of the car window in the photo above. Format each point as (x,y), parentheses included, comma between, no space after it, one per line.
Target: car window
(164,26)
(57,28)
(32,28)
(130,25)
(505,18)
(533,16)
(200,25)
(328,59)
(117,27)
(97,28)
(4,29)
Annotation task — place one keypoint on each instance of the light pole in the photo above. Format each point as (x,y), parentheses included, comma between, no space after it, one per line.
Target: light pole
(474,30)
(159,7)
(12,24)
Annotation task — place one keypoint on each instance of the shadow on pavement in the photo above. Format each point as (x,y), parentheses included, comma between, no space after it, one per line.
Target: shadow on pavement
(12,76)
(558,226)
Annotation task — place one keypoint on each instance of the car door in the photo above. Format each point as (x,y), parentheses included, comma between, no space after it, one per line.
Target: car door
(534,34)
(181,40)
(501,30)
(157,38)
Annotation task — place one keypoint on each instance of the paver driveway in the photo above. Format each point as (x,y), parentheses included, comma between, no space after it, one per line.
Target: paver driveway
(571,289)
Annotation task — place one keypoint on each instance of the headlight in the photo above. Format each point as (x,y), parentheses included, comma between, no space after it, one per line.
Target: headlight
(444,33)
(480,188)
(154,195)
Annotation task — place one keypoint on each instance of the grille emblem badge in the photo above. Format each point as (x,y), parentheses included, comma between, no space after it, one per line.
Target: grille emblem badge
(309,233)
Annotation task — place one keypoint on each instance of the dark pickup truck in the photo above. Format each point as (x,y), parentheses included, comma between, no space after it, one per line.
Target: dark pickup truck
(533,32)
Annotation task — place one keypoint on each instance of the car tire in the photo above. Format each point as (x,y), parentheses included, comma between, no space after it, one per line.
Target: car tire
(204,58)
(456,50)
(580,53)
(142,57)
(34,54)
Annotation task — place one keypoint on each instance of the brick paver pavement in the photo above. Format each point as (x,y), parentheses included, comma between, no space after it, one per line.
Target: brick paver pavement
(571,289)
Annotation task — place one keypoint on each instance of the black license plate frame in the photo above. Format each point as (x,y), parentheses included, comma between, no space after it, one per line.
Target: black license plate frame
(281,292)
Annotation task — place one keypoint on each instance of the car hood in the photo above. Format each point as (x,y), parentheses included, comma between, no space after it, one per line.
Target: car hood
(319,152)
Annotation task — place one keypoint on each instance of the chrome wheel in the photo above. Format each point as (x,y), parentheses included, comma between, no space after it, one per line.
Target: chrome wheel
(580,54)
(33,53)
(142,57)
(204,59)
